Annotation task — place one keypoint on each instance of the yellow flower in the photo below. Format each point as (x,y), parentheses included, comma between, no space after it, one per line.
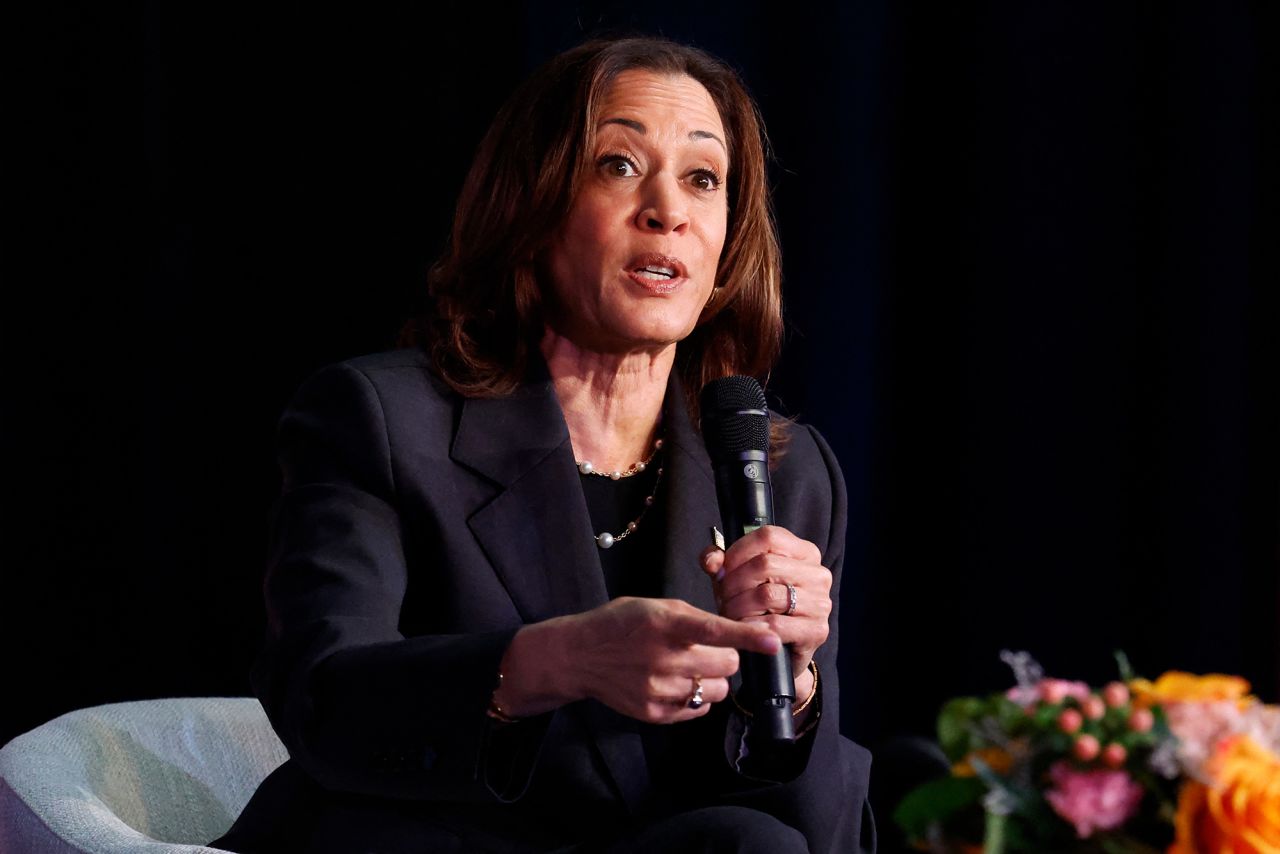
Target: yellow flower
(999,761)
(1239,813)
(1178,687)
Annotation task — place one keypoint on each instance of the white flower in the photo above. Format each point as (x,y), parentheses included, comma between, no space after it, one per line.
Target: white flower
(1028,673)
(1164,759)
(999,802)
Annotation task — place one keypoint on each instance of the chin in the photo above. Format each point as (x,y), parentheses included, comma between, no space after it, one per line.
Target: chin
(658,324)
(655,336)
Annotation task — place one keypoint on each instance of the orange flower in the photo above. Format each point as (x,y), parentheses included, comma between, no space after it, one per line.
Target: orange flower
(999,761)
(1178,687)
(1239,813)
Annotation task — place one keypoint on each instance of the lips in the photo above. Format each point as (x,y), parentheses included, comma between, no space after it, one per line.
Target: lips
(657,272)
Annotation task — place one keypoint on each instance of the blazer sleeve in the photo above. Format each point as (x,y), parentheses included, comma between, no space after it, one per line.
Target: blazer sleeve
(361,707)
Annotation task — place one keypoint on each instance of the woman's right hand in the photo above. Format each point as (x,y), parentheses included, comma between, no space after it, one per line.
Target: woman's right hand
(641,657)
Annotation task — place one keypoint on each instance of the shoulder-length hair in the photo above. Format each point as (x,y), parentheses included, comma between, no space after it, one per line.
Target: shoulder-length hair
(484,315)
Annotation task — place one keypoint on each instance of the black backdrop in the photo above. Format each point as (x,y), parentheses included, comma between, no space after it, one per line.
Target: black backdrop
(1030,265)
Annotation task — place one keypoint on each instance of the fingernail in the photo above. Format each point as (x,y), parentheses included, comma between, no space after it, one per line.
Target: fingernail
(772,644)
(720,574)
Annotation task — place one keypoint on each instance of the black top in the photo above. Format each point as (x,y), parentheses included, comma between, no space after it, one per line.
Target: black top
(632,567)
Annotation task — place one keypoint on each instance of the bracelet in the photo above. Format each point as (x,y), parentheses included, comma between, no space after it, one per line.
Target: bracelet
(495,711)
(813,692)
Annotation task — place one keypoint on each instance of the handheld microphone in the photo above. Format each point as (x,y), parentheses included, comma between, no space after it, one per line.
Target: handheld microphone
(735,427)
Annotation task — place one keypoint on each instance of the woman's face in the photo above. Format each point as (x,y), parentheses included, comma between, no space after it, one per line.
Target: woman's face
(635,260)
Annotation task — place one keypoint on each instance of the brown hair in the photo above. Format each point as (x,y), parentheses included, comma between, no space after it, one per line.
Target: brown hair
(485,309)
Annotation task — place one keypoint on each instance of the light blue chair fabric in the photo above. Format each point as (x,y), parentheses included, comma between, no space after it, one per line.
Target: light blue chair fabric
(151,776)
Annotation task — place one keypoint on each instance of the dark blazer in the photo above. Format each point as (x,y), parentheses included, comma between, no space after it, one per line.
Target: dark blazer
(416,532)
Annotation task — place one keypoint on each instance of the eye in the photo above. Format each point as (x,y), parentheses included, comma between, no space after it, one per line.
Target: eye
(618,166)
(706,180)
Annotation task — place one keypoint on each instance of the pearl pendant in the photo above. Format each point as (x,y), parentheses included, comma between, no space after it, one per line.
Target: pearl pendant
(604,540)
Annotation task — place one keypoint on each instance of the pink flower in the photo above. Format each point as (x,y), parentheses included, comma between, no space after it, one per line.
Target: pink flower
(1199,727)
(1262,724)
(1024,696)
(1057,690)
(1092,800)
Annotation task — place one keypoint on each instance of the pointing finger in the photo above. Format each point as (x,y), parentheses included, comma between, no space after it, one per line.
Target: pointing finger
(713,630)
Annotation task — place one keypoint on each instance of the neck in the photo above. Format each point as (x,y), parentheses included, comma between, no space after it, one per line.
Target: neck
(612,402)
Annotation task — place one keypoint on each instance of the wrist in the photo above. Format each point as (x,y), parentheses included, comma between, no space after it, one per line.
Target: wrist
(533,674)
(806,691)
(804,682)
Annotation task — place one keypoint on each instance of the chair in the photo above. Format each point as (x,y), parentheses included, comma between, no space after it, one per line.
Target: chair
(157,775)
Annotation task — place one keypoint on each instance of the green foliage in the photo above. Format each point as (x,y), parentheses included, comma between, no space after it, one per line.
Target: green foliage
(955,725)
(1046,716)
(1008,714)
(995,841)
(936,801)
(1122,664)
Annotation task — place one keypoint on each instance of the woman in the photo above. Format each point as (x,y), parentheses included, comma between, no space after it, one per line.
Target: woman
(476,641)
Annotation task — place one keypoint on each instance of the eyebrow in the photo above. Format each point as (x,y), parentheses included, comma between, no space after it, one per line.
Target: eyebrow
(639,127)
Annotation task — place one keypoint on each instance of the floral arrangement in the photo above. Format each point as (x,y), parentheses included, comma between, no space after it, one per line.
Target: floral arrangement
(1184,764)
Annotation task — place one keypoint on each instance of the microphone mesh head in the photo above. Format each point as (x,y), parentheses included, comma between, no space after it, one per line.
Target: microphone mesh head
(729,426)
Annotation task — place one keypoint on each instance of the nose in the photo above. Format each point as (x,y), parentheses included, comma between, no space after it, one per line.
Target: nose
(663,207)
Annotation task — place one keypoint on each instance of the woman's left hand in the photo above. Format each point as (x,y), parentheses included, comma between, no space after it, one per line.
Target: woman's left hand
(751,584)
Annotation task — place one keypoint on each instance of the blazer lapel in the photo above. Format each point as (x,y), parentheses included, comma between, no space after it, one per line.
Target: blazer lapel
(536,530)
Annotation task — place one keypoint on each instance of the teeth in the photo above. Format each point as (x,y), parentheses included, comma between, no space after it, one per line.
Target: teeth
(664,272)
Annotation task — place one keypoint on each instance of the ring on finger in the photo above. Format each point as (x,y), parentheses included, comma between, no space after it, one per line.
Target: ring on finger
(695,700)
(792,599)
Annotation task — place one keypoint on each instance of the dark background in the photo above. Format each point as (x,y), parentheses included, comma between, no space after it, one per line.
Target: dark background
(1031,269)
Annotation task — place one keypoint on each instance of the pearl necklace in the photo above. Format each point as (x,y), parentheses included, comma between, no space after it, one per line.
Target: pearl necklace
(604,539)
(586,467)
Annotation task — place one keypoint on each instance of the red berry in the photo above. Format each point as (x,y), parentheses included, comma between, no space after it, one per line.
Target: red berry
(1086,748)
(1116,694)
(1141,720)
(1070,721)
(1114,754)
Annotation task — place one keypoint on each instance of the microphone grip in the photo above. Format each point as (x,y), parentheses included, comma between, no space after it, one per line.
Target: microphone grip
(771,695)
(746,503)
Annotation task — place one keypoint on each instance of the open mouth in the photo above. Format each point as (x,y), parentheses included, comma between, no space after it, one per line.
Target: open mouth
(652,268)
(656,273)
